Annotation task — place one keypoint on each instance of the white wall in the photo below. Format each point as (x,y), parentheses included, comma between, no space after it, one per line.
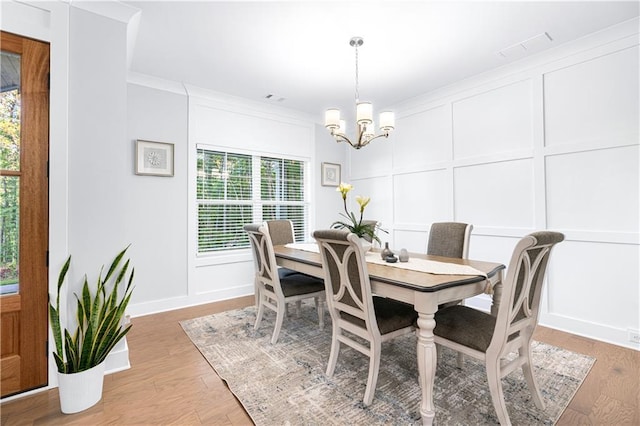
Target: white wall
(550,142)
(327,201)
(157,223)
(169,272)
(99,169)
(98,152)
(224,121)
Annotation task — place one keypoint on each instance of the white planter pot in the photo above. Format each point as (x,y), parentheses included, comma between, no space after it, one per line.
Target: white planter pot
(79,391)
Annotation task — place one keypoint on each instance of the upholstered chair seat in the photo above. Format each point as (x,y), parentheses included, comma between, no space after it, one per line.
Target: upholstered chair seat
(298,284)
(391,315)
(466,326)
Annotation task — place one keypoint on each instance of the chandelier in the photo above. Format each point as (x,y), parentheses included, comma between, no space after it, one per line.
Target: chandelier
(365,126)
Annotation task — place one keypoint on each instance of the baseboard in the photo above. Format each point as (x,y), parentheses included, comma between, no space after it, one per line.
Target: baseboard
(156,306)
(603,333)
(590,330)
(118,358)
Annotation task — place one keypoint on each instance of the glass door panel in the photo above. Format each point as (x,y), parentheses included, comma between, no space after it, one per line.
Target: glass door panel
(10,173)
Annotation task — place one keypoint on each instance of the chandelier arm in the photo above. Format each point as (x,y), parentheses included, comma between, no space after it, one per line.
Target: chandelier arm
(382,135)
(342,138)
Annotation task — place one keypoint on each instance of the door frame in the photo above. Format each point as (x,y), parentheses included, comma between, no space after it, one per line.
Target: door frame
(28,339)
(49,22)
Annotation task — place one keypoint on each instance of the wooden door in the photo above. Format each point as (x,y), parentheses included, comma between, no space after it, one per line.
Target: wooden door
(24,201)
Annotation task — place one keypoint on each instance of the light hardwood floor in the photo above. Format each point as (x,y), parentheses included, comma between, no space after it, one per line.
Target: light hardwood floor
(171,383)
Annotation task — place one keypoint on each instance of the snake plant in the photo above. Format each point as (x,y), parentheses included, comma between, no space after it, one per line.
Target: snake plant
(99,319)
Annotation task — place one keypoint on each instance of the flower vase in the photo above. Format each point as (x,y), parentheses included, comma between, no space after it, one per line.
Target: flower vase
(365,245)
(386,251)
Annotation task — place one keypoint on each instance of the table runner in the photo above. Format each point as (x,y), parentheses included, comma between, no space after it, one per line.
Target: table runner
(414,264)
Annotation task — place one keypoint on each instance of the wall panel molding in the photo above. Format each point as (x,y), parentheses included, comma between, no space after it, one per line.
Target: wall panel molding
(509,177)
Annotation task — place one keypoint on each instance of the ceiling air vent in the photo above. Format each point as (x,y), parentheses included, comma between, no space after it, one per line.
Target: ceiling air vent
(274,98)
(531,45)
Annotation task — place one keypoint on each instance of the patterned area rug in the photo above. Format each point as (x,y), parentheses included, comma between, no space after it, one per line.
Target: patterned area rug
(285,383)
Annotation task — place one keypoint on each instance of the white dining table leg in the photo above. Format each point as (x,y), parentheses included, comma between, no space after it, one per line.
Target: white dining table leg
(426,306)
(497,294)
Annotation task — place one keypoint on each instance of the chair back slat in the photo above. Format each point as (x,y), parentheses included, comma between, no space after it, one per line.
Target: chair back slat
(346,276)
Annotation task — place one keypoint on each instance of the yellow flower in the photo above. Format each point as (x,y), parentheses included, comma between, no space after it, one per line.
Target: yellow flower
(344,189)
(362,201)
(352,223)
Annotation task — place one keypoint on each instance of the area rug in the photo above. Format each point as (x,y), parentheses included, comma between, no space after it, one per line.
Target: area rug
(285,383)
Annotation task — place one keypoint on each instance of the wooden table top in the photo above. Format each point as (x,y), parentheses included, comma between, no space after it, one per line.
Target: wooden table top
(416,280)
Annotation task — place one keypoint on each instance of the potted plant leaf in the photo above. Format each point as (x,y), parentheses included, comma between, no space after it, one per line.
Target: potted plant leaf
(81,352)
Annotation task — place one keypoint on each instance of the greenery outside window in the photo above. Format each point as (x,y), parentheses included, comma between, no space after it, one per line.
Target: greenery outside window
(234,189)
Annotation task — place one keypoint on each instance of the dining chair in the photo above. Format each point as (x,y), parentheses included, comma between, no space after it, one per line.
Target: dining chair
(450,239)
(355,312)
(491,338)
(275,292)
(281,232)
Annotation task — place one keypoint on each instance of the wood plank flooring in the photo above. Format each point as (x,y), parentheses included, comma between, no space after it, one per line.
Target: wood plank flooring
(170,383)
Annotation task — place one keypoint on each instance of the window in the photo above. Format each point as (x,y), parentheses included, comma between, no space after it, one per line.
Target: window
(234,189)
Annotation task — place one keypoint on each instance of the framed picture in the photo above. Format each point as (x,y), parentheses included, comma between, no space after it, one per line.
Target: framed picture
(330,174)
(154,158)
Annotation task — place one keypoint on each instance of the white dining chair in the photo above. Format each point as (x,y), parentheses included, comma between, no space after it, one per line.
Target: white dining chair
(491,338)
(355,312)
(449,239)
(275,292)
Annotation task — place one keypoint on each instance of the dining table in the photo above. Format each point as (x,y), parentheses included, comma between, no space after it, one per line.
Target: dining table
(424,282)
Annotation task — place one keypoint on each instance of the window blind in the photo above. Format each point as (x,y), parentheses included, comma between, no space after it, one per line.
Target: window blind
(235,189)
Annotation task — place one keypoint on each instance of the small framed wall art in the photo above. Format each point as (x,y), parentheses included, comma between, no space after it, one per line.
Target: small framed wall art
(154,158)
(330,174)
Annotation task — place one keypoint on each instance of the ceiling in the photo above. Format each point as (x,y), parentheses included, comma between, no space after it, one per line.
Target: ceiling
(299,51)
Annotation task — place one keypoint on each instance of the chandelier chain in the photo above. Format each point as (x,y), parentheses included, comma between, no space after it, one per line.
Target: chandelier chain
(357,92)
